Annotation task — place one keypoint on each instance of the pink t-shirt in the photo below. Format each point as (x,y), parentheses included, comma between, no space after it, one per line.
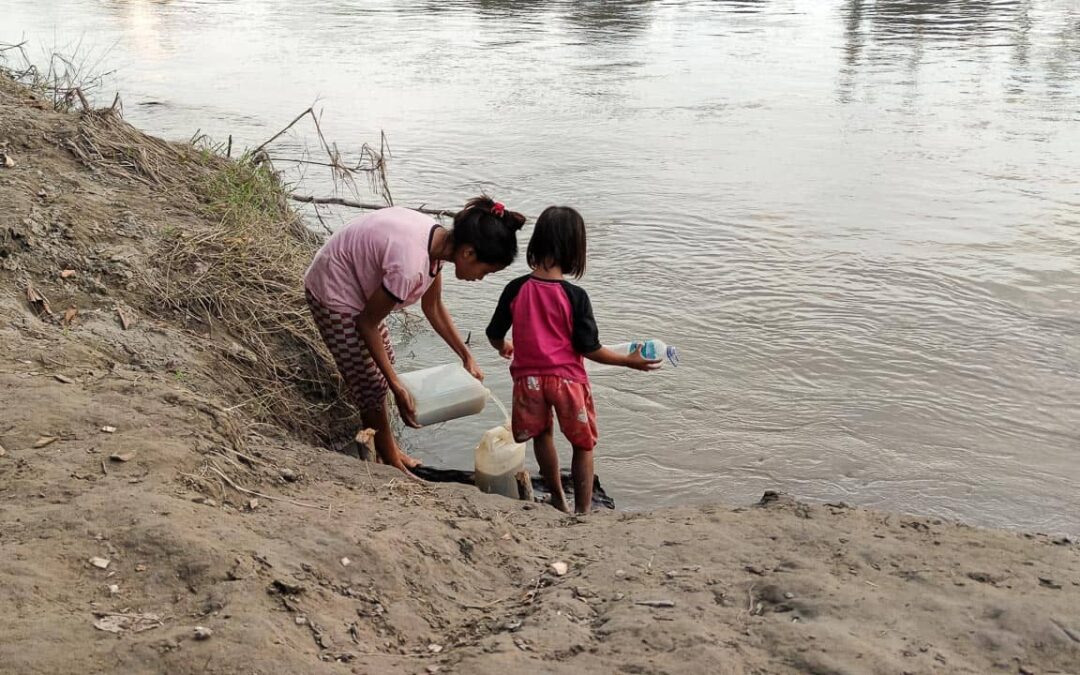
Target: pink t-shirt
(387,248)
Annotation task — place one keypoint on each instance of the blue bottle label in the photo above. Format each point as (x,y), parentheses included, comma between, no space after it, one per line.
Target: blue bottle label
(648,348)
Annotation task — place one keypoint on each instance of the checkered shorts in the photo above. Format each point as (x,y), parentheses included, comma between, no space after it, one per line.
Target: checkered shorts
(366,384)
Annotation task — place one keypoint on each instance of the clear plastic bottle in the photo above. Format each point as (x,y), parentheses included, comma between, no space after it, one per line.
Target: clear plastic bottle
(650,349)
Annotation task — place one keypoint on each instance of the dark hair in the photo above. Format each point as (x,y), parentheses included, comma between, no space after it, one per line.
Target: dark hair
(490,228)
(559,239)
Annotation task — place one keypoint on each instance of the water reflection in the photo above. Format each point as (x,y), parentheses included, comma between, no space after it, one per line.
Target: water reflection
(602,19)
(940,21)
(742,6)
(963,20)
(1063,63)
(880,31)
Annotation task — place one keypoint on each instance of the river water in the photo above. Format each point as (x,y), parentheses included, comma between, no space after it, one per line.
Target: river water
(859,221)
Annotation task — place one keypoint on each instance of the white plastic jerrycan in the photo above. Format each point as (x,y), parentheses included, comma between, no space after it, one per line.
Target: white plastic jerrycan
(444,393)
(650,349)
(498,460)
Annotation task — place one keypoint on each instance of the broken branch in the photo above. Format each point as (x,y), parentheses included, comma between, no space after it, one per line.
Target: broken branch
(310,199)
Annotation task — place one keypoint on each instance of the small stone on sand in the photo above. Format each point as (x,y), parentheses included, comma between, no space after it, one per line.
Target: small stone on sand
(559,568)
(202,633)
(100,563)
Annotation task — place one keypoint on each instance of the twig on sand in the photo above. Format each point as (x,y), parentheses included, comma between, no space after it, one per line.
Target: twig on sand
(339,201)
(531,595)
(486,605)
(230,481)
(662,604)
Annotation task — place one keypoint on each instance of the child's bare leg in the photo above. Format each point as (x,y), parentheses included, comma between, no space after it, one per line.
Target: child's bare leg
(386,446)
(548,459)
(581,471)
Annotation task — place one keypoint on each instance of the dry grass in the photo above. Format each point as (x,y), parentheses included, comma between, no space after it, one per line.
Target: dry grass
(106,142)
(243,273)
(64,77)
(240,271)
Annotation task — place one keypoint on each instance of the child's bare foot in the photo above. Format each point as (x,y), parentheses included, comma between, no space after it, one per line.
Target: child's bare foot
(410,462)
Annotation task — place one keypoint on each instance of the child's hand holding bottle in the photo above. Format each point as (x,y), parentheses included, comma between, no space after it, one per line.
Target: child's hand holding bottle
(637,360)
(627,359)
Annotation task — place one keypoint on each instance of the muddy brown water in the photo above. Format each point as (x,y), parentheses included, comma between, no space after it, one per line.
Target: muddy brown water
(859,221)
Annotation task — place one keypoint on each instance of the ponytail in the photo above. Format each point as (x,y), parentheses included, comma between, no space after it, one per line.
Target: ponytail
(490,228)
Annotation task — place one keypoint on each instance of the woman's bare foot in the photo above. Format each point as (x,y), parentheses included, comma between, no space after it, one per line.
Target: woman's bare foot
(400,464)
(559,502)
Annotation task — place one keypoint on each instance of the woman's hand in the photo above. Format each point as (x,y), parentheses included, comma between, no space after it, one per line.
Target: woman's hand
(406,405)
(470,365)
(639,362)
(507,350)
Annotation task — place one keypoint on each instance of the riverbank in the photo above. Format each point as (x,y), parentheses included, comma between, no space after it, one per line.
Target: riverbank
(165,478)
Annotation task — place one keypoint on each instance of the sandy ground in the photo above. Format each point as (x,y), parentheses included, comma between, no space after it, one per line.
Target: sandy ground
(131,447)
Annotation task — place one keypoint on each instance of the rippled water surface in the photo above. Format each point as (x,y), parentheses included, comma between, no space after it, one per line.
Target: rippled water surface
(859,221)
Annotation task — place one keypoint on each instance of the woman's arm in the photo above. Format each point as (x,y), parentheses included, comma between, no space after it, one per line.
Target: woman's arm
(440,320)
(377,308)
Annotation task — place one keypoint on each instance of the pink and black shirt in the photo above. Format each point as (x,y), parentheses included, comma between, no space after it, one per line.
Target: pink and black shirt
(553,327)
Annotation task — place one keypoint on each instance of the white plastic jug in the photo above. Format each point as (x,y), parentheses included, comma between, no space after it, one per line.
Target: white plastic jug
(498,460)
(444,393)
(650,349)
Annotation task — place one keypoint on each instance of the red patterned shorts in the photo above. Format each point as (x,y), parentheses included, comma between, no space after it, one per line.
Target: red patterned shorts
(535,396)
(366,384)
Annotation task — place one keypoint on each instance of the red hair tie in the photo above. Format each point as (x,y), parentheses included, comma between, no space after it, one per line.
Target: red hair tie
(497,209)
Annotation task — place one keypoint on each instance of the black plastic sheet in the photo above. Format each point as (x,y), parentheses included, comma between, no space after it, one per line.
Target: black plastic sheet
(600,499)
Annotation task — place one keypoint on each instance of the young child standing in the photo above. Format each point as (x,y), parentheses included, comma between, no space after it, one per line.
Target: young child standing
(554,330)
